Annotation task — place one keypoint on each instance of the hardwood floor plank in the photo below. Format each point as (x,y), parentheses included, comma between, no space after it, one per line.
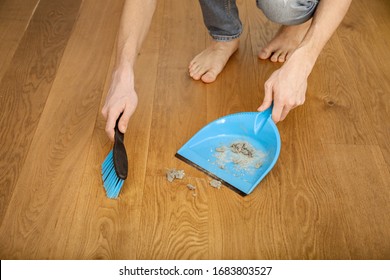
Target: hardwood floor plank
(26,85)
(179,109)
(37,222)
(334,101)
(15,17)
(293,206)
(231,232)
(107,229)
(326,198)
(174,222)
(234,90)
(363,197)
(369,64)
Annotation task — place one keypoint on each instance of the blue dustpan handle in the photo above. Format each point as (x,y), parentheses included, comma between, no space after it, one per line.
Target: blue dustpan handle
(262,117)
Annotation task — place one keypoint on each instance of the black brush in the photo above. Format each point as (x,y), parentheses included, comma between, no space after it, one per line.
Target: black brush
(115,166)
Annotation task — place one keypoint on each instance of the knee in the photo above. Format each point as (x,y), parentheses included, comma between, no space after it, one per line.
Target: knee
(288,12)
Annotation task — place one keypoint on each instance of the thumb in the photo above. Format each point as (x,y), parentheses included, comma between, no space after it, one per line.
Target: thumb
(267,101)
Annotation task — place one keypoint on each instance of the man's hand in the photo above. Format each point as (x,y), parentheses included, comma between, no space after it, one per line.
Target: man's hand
(287,86)
(121,98)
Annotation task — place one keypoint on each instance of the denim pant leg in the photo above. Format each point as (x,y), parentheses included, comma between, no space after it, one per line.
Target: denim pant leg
(288,12)
(221,19)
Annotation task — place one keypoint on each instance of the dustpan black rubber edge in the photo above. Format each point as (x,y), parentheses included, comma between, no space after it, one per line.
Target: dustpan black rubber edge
(233,188)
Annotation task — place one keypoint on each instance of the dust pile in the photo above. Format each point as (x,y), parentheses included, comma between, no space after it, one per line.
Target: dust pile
(241,154)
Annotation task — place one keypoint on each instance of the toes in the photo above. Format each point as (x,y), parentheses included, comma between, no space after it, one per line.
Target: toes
(282,57)
(288,55)
(197,73)
(192,63)
(193,67)
(209,77)
(265,53)
(196,76)
(275,56)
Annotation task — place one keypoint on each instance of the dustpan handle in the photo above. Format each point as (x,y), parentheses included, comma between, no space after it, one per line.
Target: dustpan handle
(262,118)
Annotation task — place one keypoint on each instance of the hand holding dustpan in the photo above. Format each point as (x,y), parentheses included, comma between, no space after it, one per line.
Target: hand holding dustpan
(257,130)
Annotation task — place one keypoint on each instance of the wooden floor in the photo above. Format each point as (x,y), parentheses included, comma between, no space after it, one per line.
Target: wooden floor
(328,197)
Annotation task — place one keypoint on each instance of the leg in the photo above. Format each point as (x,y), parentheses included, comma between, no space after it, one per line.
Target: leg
(295,17)
(223,23)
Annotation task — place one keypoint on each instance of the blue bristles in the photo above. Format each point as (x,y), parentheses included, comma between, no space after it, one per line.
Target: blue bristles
(112,183)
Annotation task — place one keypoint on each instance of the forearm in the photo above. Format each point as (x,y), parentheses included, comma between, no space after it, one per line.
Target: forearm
(135,22)
(326,19)
(122,98)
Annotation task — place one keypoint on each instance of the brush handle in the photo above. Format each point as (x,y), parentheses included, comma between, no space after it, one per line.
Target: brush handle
(119,153)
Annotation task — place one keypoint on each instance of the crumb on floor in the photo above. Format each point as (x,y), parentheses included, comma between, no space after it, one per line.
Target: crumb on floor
(191,187)
(173,174)
(215,184)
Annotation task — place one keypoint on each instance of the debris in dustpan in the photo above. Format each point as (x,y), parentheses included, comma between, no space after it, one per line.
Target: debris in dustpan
(242,154)
(215,184)
(173,174)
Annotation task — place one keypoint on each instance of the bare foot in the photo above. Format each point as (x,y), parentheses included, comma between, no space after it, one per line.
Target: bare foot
(285,42)
(210,62)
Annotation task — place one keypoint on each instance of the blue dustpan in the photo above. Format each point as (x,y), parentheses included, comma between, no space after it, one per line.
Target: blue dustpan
(210,150)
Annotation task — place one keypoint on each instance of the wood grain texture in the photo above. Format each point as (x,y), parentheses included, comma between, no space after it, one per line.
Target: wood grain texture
(326,198)
(61,141)
(15,16)
(369,64)
(26,85)
(179,108)
(367,189)
(113,231)
(174,222)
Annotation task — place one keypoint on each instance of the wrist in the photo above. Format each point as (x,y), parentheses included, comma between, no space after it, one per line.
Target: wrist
(123,73)
(303,58)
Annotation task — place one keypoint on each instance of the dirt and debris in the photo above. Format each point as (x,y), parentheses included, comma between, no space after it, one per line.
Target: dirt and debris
(191,187)
(242,148)
(215,184)
(242,154)
(173,174)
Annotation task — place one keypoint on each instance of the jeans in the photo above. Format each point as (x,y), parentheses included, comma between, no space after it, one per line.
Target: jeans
(222,20)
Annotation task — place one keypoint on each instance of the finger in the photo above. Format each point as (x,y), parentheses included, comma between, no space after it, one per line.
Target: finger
(111,122)
(267,97)
(277,112)
(124,120)
(285,112)
(104,112)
